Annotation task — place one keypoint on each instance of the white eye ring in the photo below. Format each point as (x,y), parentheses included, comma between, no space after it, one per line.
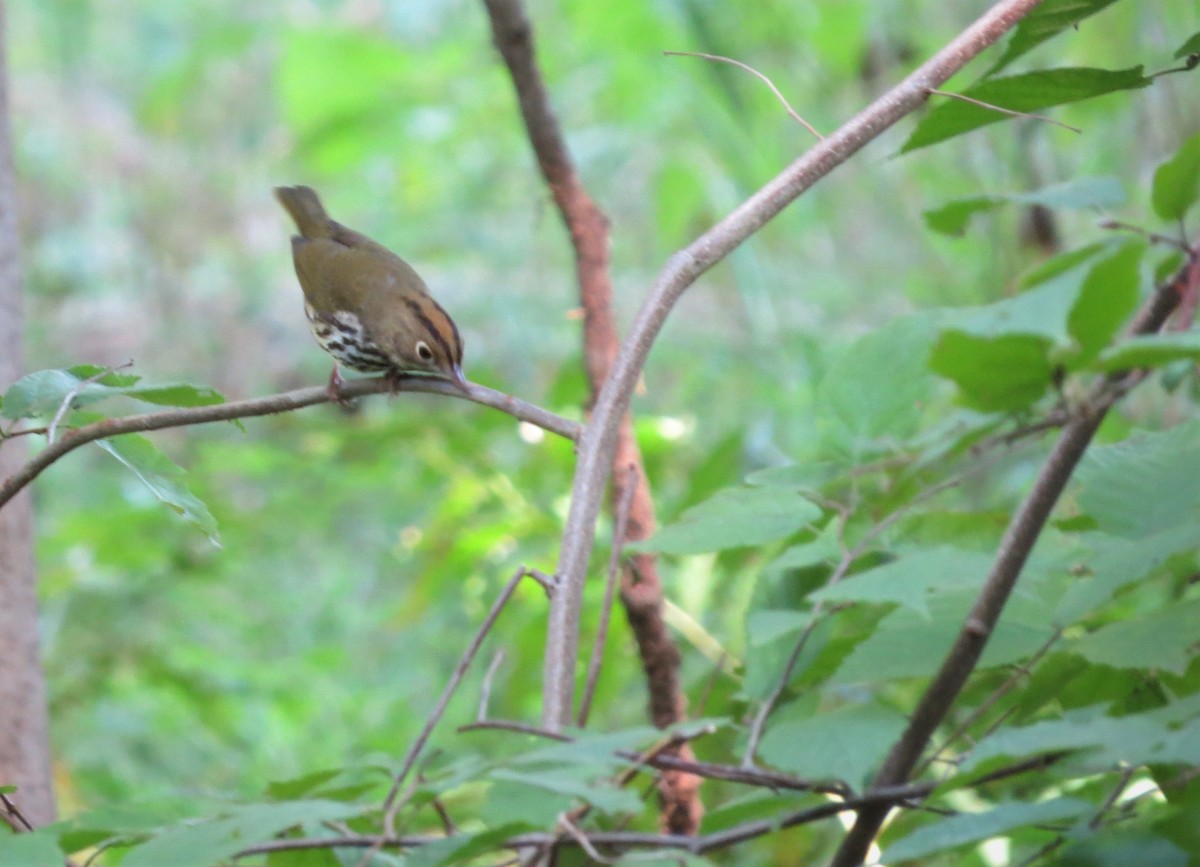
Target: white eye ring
(423,351)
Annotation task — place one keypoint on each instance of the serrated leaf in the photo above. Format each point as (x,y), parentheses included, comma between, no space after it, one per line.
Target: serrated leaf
(1165,734)
(462,848)
(43,392)
(1177,181)
(1099,192)
(1150,350)
(1162,639)
(1106,299)
(965,828)
(163,478)
(876,388)
(1115,562)
(734,518)
(911,579)
(210,842)
(34,849)
(1003,373)
(175,394)
(763,627)
(907,644)
(1028,92)
(600,793)
(845,743)
(1190,46)
(1144,484)
(1048,19)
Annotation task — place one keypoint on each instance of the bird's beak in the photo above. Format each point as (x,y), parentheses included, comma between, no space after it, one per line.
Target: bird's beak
(459,379)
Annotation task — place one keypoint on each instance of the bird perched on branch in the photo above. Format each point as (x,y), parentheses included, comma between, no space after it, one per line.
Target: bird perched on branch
(366,306)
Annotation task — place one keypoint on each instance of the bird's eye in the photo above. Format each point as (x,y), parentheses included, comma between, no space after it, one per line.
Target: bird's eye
(423,351)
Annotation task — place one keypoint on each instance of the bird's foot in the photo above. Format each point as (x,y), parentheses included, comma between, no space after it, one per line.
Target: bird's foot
(394,377)
(334,388)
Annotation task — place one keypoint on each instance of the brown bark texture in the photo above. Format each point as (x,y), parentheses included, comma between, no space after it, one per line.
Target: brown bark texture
(641,590)
(24,728)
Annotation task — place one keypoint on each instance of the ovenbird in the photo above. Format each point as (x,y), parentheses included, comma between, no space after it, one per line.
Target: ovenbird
(365,305)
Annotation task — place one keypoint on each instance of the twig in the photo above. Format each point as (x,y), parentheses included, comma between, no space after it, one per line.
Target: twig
(14,815)
(1152,237)
(278,403)
(65,404)
(485,691)
(1010,112)
(564,821)
(711,682)
(775,90)
(599,441)
(1111,800)
(708,770)
(610,586)
(390,803)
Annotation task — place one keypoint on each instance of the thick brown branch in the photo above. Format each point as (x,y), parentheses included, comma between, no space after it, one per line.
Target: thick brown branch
(277,403)
(1023,531)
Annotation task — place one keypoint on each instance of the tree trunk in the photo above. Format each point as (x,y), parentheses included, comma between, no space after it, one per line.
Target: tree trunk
(24,730)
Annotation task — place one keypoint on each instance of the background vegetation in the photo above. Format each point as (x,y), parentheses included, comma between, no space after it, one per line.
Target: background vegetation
(358,551)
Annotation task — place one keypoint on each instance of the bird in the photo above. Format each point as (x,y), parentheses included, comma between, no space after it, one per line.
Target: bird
(365,305)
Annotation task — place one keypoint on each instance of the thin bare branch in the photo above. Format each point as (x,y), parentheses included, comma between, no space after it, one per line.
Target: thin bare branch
(485,691)
(1009,684)
(13,814)
(1008,111)
(278,403)
(792,113)
(610,587)
(390,803)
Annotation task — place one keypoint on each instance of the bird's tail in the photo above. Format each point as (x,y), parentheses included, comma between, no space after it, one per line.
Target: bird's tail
(306,209)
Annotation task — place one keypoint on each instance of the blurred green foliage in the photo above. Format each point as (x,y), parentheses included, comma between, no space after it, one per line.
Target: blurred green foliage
(360,550)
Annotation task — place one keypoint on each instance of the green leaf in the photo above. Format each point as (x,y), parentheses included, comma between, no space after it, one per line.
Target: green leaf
(1163,639)
(1190,46)
(212,841)
(35,849)
(1048,19)
(1098,192)
(846,743)
(1167,734)
(1144,484)
(1115,562)
(911,579)
(1124,847)
(1003,373)
(734,518)
(1029,92)
(763,627)
(1106,299)
(1177,181)
(462,848)
(601,793)
(876,388)
(163,478)
(965,828)
(1151,350)
(908,644)
(42,393)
